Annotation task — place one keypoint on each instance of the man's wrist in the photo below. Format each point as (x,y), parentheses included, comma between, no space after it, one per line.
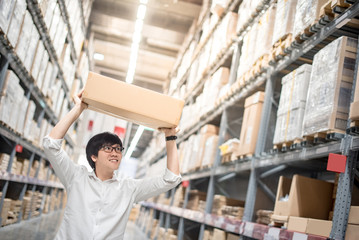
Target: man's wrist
(171,138)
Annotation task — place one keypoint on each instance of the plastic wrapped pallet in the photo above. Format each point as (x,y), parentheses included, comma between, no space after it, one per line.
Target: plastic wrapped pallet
(245,12)
(250,126)
(16,22)
(265,32)
(329,93)
(307,13)
(210,151)
(6,11)
(35,68)
(25,37)
(292,104)
(31,48)
(206,132)
(284,19)
(28,119)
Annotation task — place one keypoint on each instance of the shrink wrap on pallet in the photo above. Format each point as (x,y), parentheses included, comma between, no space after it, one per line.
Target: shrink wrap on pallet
(284,19)
(307,13)
(292,105)
(330,87)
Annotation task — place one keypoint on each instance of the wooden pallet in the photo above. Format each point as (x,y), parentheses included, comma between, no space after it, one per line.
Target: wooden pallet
(322,137)
(245,156)
(354,128)
(279,49)
(282,147)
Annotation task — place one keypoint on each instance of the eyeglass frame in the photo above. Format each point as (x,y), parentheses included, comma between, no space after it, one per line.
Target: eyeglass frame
(112,149)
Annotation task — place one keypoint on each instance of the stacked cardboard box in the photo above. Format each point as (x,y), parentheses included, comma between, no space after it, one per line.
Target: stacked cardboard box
(223,206)
(206,132)
(5,210)
(284,19)
(194,197)
(292,105)
(179,197)
(4,161)
(250,126)
(14,211)
(327,107)
(264,216)
(229,150)
(210,151)
(353,224)
(6,10)
(302,197)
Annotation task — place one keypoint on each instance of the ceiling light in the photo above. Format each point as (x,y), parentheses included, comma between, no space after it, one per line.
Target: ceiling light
(144,1)
(141,12)
(134,142)
(98,56)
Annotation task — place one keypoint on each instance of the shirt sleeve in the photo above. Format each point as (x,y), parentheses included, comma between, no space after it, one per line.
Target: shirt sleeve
(63,166)
(150,187)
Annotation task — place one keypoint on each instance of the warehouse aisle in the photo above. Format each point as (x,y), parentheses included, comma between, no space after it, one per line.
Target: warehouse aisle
(45,227)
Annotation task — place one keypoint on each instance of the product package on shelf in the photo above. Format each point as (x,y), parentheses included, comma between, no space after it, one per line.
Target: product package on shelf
(310,226)
(264,34)
(48,8)
(14,211)
(212,88)
(11,99)
(42,70)
(31,48)
(5,210)
(223,35)
(328,101)
(56,18)
(6,11)
(250,126)
(246,11)
(24,37)
(224,206)
(284,20)
(292,105)
(354,107)
(229,150)
(206,132)
(154,110)
(209,152)
(302,197)
(307,13)
(28,119)
(264,216)
(194,197)
(4,161)
(16,23)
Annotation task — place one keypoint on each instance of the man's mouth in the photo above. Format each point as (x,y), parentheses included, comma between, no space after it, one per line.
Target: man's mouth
(113,160)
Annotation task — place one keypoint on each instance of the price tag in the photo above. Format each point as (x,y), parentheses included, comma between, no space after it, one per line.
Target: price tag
(299,236)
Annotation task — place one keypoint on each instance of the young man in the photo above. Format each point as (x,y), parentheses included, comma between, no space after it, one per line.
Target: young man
(98,203)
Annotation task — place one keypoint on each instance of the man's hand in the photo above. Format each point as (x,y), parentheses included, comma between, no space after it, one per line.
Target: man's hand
(169,131)
(78,102)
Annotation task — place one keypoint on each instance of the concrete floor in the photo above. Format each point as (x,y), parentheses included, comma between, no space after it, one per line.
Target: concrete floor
(45,228)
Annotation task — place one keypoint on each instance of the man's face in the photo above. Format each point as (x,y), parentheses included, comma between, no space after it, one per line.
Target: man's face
(109,157)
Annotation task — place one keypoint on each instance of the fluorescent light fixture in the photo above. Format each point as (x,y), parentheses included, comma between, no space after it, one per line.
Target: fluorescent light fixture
(98,56)
(134,142)
(141,12)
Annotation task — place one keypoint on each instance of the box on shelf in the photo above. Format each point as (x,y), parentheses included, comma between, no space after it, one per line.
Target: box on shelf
(131,103)
(310,226)
(250,126)
(292,105)
(284,19)
(354,215)
(330,86)
(303,197)
(16,22)
(352,232)
(219,234)
(354,106)
(209,153)
(194,198)
(6,12)
(307,13)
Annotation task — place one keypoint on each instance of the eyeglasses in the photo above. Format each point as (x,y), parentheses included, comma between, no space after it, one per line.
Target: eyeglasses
(108,149)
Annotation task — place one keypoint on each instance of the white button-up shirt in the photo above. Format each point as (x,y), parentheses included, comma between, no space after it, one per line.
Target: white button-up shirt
(98,209)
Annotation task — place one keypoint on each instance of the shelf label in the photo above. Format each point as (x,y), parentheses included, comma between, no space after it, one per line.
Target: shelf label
(299,236)
(18,148)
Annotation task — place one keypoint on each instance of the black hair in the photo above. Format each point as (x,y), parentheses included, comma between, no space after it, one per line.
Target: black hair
(97,141)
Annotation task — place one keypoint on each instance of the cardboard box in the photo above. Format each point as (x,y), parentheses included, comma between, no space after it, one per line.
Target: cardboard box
(16,22)
(354,107)
(310,226)
(352,232)
(250,126)
(210,151)
(219,234)
(303,197)
(330,87)
(6,12)
(354,215)
(131,102)
(284,19)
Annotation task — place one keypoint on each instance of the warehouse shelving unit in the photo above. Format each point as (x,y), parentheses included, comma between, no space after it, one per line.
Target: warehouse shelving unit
(265,162)
(13,142)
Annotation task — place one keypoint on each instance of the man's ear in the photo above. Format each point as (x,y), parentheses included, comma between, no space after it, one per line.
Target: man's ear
(94,158)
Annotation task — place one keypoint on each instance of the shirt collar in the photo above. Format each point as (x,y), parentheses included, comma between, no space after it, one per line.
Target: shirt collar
(114,177)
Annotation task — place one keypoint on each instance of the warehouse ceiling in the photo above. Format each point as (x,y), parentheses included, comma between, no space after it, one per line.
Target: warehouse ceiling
(165,26)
